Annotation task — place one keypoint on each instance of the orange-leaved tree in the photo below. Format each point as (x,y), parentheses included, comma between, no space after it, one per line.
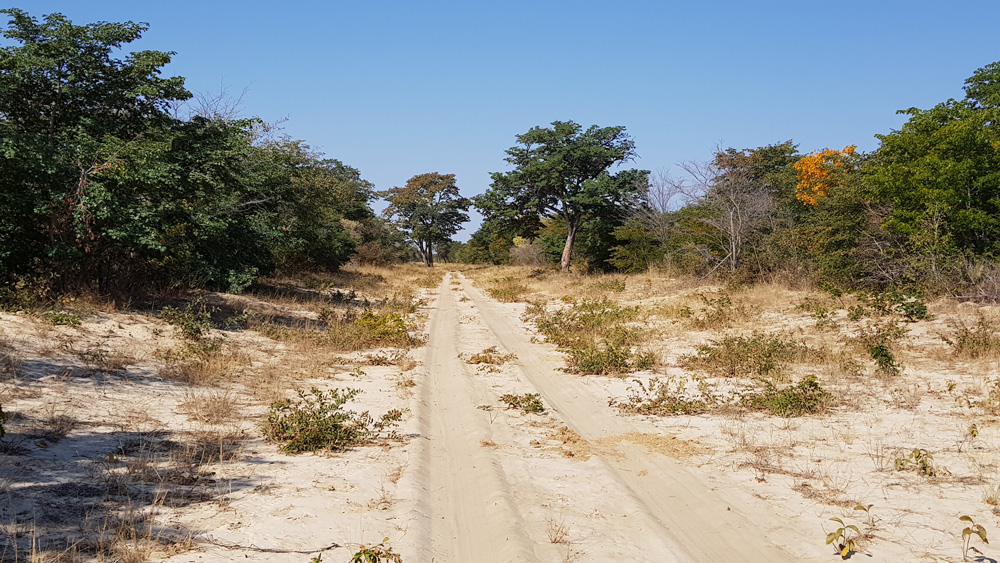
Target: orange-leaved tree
(819,171)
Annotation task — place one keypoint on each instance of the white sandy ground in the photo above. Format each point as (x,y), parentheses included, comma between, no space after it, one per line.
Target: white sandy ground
(474,481)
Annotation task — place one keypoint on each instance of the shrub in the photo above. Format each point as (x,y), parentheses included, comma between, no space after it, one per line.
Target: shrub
(317,421)
(660,399)
(194,320)
(528,402)
(63,318)
(805,397)
(758,355)
(490,356)
(974,342)
(880,342)
(611,360)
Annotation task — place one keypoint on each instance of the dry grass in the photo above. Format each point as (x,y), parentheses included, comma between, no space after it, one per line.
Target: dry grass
(210,406)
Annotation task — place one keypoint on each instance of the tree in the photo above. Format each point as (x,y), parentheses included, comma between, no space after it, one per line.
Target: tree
(68,110)
(562,172)
(430,209)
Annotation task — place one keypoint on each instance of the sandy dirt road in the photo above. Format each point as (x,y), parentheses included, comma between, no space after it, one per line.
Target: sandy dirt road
(478,503)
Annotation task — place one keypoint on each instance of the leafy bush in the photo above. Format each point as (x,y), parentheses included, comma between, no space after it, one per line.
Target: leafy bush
(317,421)
(194,320)
(595,335)
(63,318)
(805,397)
(919,460)
(880,342)
(758,355)
(589,359)
(907,302)
(660,399)
(528,402)
(376,554)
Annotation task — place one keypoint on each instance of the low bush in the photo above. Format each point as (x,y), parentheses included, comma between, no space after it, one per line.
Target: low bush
(194,320)
(974,342)
(758,355)
(507,289)
(880,341)
(590,359)
(659,398)
(805,397)
(318,421)
(63,318)
(490,356)
(528,402)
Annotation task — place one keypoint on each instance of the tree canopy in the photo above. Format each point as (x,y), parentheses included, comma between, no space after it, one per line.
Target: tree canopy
(562,172)
(430,209)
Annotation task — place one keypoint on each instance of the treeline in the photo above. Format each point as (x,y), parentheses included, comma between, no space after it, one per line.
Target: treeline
(108,186)
(924,209)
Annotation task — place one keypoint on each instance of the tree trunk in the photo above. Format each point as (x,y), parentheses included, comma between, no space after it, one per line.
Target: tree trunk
(427,252)
(568,249)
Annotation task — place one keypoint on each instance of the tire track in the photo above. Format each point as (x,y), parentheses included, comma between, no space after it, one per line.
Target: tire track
(702,524)
(468,508)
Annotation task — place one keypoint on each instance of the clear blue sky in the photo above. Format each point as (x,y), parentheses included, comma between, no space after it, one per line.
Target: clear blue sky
(401,88)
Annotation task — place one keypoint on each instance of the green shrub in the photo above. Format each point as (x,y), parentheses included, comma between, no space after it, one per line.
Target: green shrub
(528,402)
(805,397)
(317,421)
(63,318)
(659,399)
(758,355)
(194,320)
(880,343)
(589,359)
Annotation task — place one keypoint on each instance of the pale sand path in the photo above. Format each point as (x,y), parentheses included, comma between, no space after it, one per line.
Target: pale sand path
(468,511)
(698,523)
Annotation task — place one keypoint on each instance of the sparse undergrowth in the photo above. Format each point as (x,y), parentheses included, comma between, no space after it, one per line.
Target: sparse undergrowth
(758,355)
(596,335)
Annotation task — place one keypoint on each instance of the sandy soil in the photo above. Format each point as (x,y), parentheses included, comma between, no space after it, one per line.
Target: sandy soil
(92,452)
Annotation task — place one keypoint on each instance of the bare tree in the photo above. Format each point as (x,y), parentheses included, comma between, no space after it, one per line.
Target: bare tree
(664,196)
(740,205)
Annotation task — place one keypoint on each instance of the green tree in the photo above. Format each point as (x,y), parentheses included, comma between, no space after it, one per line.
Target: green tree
(562,172)
(939,175)
(68,109)
(429,209)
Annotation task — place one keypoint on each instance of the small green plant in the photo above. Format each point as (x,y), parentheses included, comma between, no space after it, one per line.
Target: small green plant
(805,397)
(63,318)
(387,327)
(528,402)
(968,532)
(844,538)
(919,460)
(318,421)
(871,520)
(377,554)
(194,320)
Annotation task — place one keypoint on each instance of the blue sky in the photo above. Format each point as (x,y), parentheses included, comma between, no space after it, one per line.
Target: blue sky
(401,88)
